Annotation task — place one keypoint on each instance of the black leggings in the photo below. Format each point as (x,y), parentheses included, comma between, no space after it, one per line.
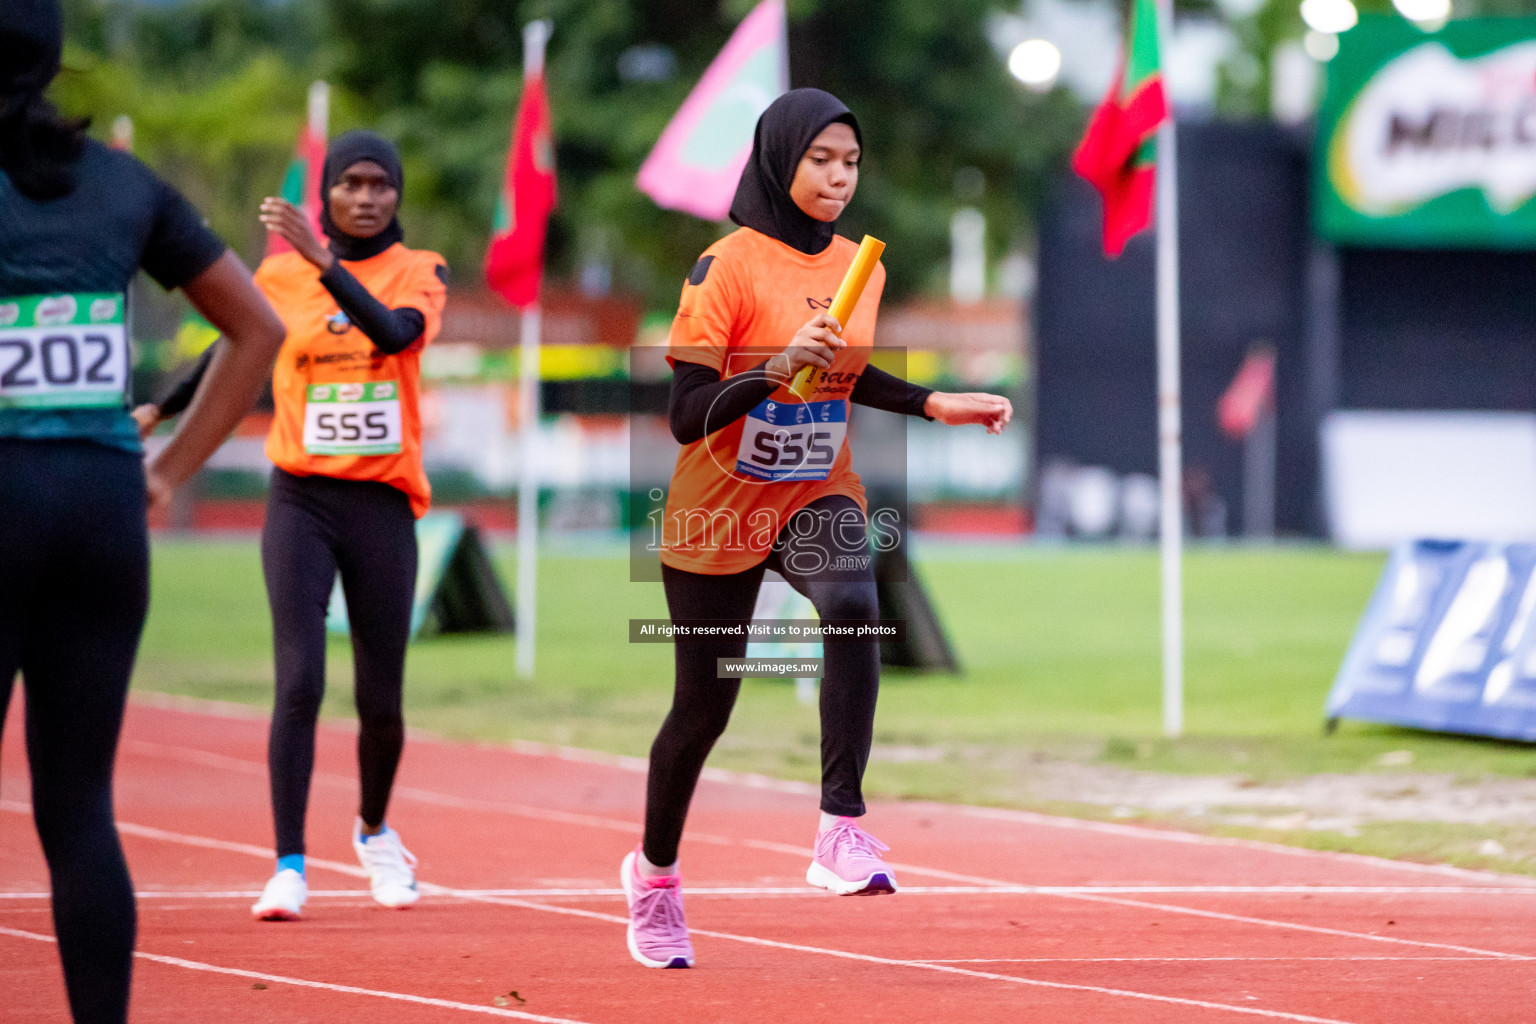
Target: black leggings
(702,702)
(74,590)
(315,526)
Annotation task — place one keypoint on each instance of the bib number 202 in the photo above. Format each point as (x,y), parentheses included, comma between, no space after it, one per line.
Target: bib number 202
(62,352)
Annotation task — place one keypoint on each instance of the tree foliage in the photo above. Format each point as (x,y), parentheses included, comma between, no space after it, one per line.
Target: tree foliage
(216,89)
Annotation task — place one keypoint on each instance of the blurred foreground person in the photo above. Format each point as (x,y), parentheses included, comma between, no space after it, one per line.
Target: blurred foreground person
(77,221)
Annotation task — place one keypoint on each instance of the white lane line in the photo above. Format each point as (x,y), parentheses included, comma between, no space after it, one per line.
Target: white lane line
(1190,959)
(601,892)
(1317,929)
(428,888)
(185,839)
(941,968)
(355,871)
(529,748)
(1196,839)
(280,979)
(922,965)
(433,798)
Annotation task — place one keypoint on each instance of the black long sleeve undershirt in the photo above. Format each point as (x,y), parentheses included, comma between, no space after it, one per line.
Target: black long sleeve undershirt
(877,389)
(392,331)
(176,402)
(701,403)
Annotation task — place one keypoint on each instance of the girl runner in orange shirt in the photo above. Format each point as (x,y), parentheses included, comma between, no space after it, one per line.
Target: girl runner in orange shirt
(346,491)
(765,481)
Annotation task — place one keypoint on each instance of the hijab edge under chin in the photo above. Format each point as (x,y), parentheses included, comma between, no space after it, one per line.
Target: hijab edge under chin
(762,201)
(359,146)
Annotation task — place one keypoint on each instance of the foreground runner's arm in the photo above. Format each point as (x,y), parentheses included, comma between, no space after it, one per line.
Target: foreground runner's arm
(225,295)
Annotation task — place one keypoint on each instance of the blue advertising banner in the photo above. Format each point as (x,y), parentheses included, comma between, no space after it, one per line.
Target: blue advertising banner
(1447,643)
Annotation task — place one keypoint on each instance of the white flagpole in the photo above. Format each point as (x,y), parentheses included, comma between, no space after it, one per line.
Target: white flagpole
(535,36)
(1169,416)
(528,495)
(319,108)
(122,133)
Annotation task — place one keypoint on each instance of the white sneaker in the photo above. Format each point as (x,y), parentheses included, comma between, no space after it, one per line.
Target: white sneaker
(390,866)
(283,897)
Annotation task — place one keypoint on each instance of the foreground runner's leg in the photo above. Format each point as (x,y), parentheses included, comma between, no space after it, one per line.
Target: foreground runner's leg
(83,516)
(376,551)
(823,553)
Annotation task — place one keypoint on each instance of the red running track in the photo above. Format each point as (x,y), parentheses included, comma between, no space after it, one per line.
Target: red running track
(1004,916)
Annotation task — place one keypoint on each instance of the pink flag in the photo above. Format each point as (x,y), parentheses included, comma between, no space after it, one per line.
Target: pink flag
(698,160)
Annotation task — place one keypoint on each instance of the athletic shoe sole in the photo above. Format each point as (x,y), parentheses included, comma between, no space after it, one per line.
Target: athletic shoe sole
(878,884)
(275,914)
(627,869)
(405,904)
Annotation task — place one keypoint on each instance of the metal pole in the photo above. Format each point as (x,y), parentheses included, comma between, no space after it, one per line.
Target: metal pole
(1169,425)
(535,36)
(319,108)
(1259,478)
(528,495)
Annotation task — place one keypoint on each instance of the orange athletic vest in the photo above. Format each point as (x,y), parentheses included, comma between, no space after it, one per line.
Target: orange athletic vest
(345,409)
(733,490)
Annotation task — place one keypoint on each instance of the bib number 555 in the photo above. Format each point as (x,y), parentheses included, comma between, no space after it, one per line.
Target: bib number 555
(352,425)
(793,449)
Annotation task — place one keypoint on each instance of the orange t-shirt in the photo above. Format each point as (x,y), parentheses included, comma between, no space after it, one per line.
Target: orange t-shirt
(345,409)
(735,489)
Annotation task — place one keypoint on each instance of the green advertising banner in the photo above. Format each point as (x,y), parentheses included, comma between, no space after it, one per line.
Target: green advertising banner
(1428,140)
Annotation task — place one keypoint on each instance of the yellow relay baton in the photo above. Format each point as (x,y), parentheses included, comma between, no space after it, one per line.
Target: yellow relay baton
(847,297)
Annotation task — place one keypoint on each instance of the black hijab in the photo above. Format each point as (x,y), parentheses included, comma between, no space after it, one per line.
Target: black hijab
(38,148)
(344,151)
(31,48)
(784,132)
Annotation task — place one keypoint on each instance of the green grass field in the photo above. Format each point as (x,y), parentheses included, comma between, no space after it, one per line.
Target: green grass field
(1060,649)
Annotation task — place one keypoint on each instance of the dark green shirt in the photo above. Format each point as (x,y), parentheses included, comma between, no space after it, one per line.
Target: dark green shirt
(119,219)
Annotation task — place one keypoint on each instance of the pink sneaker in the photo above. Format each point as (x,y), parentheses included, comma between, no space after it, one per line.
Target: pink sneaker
(848,862)
(657,935)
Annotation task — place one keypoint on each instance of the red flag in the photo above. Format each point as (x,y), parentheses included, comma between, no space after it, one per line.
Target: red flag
(514,264)
(1250,394)
(1118,153)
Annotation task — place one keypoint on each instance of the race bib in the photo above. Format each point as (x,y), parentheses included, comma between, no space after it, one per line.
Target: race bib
(352,419)
(63,351)
(792,440)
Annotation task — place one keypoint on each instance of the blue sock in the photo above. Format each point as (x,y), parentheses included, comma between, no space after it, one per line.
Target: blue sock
(383,827)
(293,860)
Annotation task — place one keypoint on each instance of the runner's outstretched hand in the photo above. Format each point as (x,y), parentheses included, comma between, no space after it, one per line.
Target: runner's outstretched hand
(285,220)
(957,409)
